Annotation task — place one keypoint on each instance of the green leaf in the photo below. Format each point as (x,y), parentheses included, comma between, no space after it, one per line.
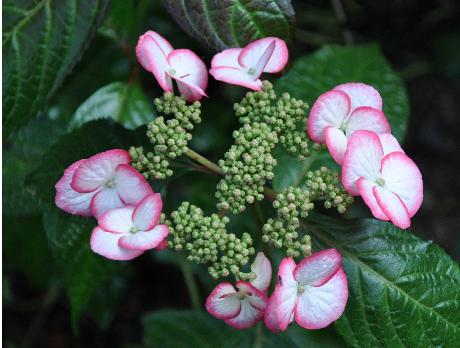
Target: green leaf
(169,329)
(42,41)
(124,102)
(403,292)
(84,272)
(222,24)
(315,74)
(25,249)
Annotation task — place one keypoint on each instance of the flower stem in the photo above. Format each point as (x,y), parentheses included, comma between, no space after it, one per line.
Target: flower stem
(204,161)
(259,339)
(190,282)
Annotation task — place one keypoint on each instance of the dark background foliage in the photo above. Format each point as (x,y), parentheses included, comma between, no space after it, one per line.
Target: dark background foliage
(421,40)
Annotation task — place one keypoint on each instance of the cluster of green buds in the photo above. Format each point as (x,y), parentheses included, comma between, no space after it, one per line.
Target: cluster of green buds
(324,185)
(168,137)
(206,240)
(247,166)
(294,203)
(286,116)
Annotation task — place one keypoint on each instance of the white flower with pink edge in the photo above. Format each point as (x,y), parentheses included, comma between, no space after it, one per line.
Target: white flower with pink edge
(243,66)
(340,112)
(157,56)
(389,182)
(244,306)
(100,183)
(125,233)
(313,293)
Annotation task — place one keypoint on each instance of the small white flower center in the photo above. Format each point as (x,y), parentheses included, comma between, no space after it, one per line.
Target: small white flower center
(134,229)
(251,71)
(110,183)
(380,181)
(300,289)
(172,72)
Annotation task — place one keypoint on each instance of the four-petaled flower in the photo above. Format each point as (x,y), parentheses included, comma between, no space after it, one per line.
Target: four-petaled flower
(125,233)
(338,113)
(100,183)
(158,56)
(313,293)
(244,306)
(243,66)
(389,182)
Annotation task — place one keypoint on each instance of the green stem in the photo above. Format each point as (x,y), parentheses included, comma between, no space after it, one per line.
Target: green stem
(204,161)
(259,339)
(190,282)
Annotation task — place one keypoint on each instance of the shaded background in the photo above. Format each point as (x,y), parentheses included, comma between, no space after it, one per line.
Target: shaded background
(421,39)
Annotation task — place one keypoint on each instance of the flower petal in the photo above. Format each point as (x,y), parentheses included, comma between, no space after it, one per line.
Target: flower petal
(106,244)
(286,295)
(247,317)
(256,298)
(251,54)
(98,169)
(227,58)
(131,185)
(105,200)
(163,245)
(117,220)
(367,118)
(392,206)
(144,240)
(147,213)
(361,95)
(263,270)
(190,70)
(362,159)
(330,109)
(236,76)
(152,51)
(365,187)
(389,143)
(336,142)
(223,302)
(317,269)
(403,178)
(68,199)
(320,306)
(270,318)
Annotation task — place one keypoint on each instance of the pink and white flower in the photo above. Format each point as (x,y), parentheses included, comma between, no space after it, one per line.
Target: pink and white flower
(313,293)
(243,66)
(244,306)
(389,182)
(340,112)
(125,233)
(157,56)
(102,182)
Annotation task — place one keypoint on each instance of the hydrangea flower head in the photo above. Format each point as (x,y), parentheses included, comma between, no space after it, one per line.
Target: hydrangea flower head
(388,180)
(313,293)
(340,112)
(102,182)
(243,66)
(158,56)
(125,233)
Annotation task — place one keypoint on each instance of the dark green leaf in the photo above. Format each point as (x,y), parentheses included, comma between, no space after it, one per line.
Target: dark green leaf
(313,75)
(233,23)
(403,292)
(124,102)
(188,329)
(42,41)
(25,248)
